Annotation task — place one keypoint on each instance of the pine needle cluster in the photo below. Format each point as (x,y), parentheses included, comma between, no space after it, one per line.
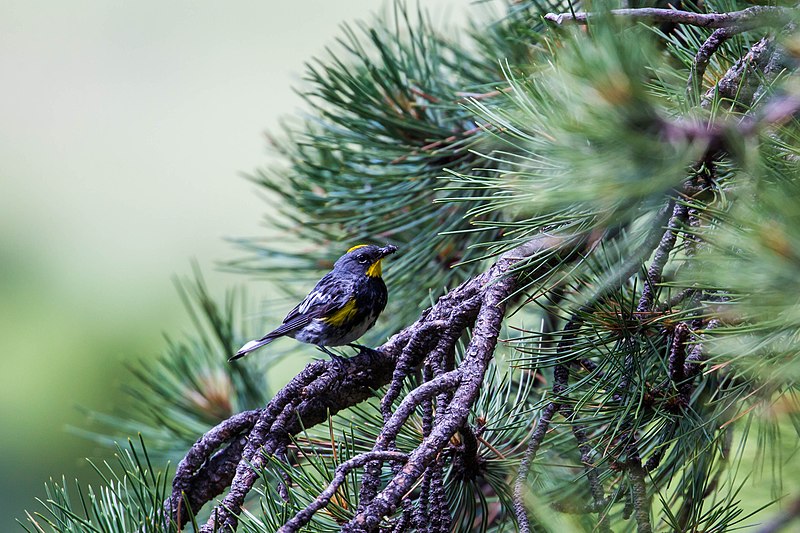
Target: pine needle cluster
(647,346)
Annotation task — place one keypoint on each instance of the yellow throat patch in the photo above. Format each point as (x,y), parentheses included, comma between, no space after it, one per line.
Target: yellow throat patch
(374,270)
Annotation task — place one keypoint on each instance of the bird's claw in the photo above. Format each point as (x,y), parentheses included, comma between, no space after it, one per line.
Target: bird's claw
(336,358)
(363,349)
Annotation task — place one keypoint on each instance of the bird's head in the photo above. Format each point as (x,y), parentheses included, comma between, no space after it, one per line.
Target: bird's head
(364,259)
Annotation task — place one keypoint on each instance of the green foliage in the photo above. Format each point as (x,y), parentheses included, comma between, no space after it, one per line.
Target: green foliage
(388,118)
(585,151)
(192,387)
(756,243)
(130,499)
(481,502)
(425,141)
(698,476)
(579,148)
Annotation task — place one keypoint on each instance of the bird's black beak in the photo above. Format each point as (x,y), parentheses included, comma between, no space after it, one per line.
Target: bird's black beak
(387,250)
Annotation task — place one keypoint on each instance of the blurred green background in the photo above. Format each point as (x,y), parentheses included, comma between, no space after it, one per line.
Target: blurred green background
(124,130)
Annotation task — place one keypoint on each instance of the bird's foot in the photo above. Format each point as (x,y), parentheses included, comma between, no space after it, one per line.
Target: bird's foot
(336,358)
(362,349)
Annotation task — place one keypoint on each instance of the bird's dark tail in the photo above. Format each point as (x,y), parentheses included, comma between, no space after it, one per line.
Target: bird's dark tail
(250,346)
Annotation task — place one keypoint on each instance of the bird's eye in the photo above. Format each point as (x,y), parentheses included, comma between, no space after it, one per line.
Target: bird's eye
(362,258)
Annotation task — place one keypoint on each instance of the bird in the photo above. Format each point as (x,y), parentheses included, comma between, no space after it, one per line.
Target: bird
(342,306)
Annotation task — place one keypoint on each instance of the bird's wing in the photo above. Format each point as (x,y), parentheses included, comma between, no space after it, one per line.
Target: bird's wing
(326,298)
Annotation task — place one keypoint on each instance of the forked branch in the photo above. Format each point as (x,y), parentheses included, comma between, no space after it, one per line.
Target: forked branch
(326,387)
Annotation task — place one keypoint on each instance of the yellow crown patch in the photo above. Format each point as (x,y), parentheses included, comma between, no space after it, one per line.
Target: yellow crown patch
(356,247)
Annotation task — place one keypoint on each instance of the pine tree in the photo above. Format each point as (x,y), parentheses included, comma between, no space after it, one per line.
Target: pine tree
(593,312)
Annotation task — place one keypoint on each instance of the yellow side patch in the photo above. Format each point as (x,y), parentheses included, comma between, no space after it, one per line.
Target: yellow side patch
(374,270)
(340,316)
(356,247)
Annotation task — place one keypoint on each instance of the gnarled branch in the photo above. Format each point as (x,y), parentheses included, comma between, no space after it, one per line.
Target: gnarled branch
(326,387)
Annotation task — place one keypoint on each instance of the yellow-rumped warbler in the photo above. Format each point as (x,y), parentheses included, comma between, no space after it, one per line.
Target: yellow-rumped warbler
(343,305)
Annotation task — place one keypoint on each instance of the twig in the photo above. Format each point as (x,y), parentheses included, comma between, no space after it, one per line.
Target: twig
(465,96)
(324,498)
(691,367)
(419,342)
(440,518)
(748,76)
(658,453)
(660,258)
(427,502)
(678,298)
(677,354)
(433,146)
(703,56)
(391,428)
(423,515)
(632,265)
(560,379)
(405,521)
(530,453)
(639,497)
(193,466)
(749,18)
(791,513)
(778,111)
(468,463)
(595,485)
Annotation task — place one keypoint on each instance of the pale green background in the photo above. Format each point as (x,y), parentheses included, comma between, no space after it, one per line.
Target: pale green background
(124,130)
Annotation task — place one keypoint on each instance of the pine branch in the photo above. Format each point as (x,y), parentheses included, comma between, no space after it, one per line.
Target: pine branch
(197,479)
(447,394)
(304,516)
(777,111)
(591,148)
(542,424)
(703,56)
(660,258)
(752,17)
(479,353)
(325,387)
(722,135)
(784,518)
(726,25)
